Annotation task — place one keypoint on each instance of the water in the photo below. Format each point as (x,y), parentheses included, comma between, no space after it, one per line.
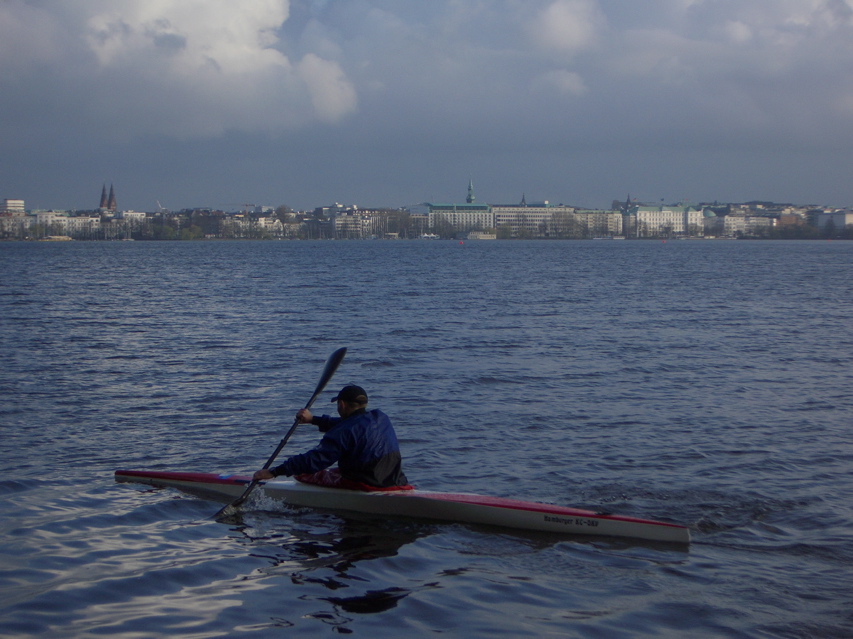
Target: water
(702,382)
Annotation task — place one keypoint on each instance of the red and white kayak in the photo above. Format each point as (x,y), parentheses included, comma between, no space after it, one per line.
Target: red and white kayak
(422,504)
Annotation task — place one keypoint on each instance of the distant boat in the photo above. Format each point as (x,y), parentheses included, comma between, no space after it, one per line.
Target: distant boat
(429,236)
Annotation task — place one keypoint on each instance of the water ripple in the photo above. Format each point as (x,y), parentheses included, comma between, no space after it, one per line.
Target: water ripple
(702,383)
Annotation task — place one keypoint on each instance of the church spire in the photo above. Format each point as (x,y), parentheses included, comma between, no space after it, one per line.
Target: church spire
(111,202)
(470,198)
(104,196)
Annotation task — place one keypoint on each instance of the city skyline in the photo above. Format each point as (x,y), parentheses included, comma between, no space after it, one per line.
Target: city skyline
(109,203)
(304,103)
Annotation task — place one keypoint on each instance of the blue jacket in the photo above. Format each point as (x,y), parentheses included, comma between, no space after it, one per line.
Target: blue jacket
(364,445)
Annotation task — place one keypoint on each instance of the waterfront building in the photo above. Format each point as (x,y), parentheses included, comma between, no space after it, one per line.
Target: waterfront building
(14,226)
(60,223)
(836,220)
(712,223)
(527,220)
(49,219)
(251,226)
(599,223)
(81,226)
(791,219)
(350,224)
(449,219)
(418,223)
(270,225)
(738,225)
(461,217)
(666,221)
(480,235)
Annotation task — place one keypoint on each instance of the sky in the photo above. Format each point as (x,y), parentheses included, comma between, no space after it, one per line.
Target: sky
(390,103)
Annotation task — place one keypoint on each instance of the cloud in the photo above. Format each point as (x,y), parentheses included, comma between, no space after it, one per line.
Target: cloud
(180,68)
(452,84)
(737,31)
(563,82)
(189,36)
(332,95)
(567,26)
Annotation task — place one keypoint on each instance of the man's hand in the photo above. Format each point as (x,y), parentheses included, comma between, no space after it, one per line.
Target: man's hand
(304,416)
(262,474)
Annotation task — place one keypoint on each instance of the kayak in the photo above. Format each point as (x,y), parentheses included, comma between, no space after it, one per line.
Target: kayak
(421,504)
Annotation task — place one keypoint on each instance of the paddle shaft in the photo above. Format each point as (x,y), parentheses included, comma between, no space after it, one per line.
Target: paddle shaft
(332,364)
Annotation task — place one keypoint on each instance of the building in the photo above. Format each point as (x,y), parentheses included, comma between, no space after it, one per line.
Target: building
(60,223)
(14,226)
(738,225)
(663,221)
(480,235)
(350,224)
(12,207)
(135,216)
(712,223)
(108,202)
(526,220)
(353,223)
(599,223)
(452,218)
(790,219)
(835,220)
(449,219)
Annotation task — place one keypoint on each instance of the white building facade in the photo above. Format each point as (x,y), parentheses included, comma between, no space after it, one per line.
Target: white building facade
(526,220)
(599,223)
(654,221)
(12,207)
(461,217)
(836,219)
(734,225)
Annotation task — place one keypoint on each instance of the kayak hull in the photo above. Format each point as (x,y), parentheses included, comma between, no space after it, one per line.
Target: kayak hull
(454,507)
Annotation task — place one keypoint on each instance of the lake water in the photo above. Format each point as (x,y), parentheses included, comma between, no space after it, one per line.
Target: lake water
(703,382)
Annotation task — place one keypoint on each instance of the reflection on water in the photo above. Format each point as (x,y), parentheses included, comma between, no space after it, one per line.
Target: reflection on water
(326,556)
(372,601)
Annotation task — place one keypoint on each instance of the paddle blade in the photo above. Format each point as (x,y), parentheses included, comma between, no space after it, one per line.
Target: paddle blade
(231,508)
(332,364)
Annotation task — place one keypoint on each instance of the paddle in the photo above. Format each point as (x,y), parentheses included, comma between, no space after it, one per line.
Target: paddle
(332,364)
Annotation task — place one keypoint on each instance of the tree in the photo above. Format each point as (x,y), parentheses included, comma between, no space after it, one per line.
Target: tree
(504,232)
(443,227)
(284,213)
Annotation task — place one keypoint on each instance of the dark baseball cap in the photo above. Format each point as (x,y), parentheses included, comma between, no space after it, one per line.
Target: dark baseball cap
(353,394)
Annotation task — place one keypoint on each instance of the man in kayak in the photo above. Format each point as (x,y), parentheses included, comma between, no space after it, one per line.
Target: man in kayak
(362,442)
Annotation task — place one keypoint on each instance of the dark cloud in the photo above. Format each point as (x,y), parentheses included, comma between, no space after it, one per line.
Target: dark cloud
(391,102)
